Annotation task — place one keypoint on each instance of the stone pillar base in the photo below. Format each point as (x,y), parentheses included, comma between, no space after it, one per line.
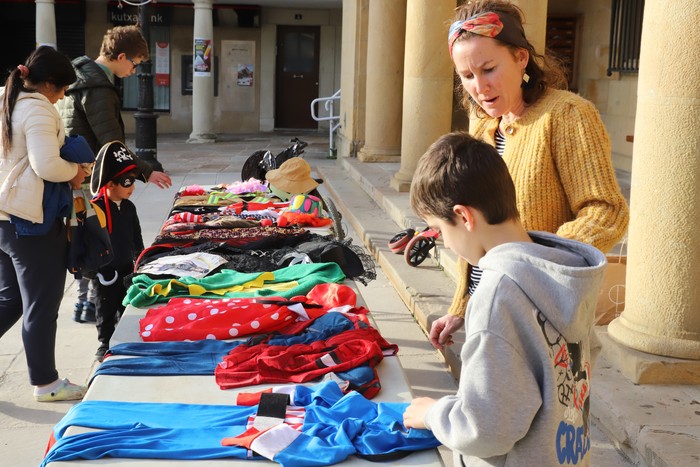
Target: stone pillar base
(202,138)
(640,334)
(644,368)
(402,186)
(379,155)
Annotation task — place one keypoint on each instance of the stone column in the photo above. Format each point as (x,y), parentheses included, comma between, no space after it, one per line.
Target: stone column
(385,57)
(265,77)
(203,86)
(45,23)
(662,309)
(353,76)
(535,12)
(427,85)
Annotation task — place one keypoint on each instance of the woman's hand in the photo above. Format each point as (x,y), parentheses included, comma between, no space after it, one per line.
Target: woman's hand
(79,178)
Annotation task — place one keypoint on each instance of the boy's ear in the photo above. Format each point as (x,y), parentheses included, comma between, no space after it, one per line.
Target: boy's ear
(464,215)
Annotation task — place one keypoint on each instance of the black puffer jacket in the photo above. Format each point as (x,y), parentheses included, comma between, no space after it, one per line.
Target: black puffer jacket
(92,108)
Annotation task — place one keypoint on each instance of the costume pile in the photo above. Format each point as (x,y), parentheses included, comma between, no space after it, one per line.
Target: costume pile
(248,288)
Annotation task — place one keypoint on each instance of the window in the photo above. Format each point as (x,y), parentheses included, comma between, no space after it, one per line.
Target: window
(187,75)
(18,32)
(130,85)
(625,36)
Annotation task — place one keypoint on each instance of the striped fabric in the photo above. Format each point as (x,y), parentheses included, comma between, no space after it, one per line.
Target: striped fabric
(500,140)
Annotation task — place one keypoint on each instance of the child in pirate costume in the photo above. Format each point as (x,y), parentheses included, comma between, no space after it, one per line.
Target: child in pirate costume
(112,184)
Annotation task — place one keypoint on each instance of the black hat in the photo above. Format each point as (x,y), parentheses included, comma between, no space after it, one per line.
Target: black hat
(114,160)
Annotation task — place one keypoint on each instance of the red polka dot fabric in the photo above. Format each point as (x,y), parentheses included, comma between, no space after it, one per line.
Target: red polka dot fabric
(228,318)
(186,318)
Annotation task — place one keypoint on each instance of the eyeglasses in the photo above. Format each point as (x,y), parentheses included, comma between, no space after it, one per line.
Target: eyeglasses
(133,63)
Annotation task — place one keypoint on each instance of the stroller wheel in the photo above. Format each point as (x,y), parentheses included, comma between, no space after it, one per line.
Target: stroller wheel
(418,249)
(398,242)
(337,218)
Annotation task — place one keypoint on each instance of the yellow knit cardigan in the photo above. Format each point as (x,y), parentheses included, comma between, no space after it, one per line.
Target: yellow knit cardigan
(558,154)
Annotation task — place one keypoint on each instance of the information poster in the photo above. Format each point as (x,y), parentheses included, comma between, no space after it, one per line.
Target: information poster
(238,72)
(202,57)
(162,64)
(245,74)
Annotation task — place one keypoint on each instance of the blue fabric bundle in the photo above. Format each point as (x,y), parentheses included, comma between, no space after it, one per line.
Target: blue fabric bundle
(57,196)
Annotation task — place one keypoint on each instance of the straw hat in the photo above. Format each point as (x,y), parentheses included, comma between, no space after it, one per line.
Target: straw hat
(293,176)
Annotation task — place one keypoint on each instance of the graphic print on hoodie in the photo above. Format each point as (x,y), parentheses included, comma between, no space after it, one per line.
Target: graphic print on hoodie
(573,387)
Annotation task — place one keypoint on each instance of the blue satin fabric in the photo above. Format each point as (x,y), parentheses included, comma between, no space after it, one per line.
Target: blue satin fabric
(335,427)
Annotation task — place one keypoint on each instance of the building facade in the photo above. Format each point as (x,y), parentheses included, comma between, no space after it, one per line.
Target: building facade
(257,53)
(252,63)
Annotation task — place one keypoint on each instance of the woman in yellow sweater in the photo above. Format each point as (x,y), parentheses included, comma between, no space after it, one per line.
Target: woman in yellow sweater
(553,141)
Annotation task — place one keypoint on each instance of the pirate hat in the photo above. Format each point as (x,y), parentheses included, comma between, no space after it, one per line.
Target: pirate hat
(114,160)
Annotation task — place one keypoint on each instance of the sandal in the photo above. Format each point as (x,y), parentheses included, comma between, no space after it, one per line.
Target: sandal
(66,391)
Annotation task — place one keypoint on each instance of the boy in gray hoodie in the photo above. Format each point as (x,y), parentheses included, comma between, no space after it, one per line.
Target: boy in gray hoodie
(523,396)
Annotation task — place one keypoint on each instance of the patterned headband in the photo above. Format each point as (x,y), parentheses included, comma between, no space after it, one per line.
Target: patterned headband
(503,27)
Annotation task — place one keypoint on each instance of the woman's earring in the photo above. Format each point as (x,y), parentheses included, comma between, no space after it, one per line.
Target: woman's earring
(526,77)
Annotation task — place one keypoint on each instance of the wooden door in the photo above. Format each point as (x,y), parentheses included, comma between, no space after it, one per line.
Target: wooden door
(296,76)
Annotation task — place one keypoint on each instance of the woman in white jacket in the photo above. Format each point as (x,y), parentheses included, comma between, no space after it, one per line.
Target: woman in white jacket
(33,267)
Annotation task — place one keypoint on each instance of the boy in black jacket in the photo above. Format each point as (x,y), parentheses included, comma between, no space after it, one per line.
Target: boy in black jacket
(92,108)
(112,184)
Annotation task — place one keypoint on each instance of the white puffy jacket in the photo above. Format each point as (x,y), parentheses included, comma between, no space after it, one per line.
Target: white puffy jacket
(37,135)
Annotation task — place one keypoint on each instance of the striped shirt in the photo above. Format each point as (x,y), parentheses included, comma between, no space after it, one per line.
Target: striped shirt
(500,141)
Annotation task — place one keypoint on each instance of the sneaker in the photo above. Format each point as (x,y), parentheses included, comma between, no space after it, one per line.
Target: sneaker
(89,312)
(101,351)
(66,391)
(78,311)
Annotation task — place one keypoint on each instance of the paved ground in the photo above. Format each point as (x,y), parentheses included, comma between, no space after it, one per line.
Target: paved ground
(25,424)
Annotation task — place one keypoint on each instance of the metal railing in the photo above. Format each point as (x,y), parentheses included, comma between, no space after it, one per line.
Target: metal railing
(329,105)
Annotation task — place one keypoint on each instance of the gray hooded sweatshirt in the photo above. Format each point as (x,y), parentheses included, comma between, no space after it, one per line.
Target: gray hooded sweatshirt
(523,397)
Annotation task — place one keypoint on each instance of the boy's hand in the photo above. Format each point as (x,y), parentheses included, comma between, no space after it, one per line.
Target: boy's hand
(442,330)
(160,179)
(414,415)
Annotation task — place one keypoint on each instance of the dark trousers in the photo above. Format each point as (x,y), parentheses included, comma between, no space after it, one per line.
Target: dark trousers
(108,306)
(32,279)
